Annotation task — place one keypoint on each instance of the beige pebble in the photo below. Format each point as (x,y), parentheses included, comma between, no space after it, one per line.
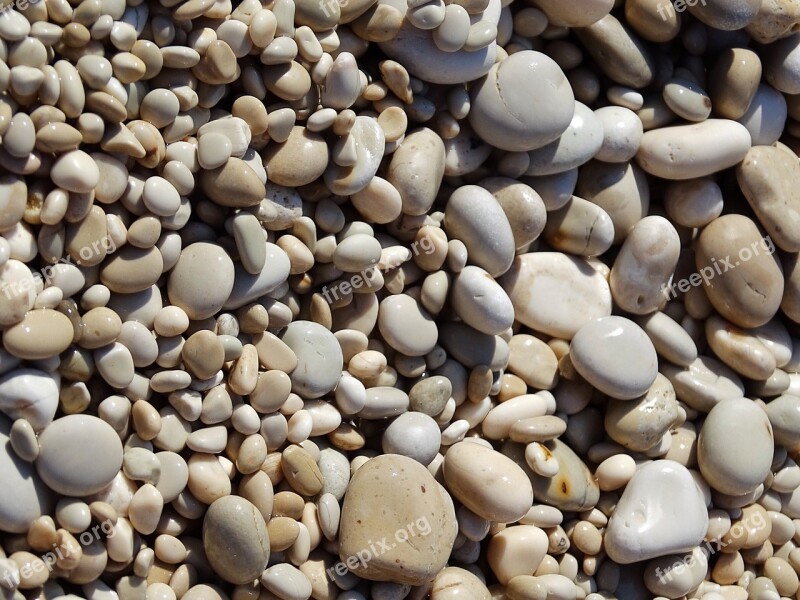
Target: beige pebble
(695,150)
(42,333)
(516,550)
(234,523)
(474,488)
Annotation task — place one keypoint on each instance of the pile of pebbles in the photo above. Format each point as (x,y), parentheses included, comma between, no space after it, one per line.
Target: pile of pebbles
(349,299)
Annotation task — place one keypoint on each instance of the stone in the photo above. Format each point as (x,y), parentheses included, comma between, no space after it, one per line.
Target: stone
(70,443)
(640,424)
(523,103)
(25,498)
(202,280)
(473,216)
(742,278)
(765,177)
(480,301)
(319,358)
(661,511)
(488,483)
(235,540)
(396,499)
(689,151)
(556,294)
(735,446)
(42,333)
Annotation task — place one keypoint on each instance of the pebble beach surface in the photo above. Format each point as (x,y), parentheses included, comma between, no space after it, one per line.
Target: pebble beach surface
(387,299)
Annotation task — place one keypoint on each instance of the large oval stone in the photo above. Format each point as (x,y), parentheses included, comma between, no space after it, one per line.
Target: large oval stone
(398,523)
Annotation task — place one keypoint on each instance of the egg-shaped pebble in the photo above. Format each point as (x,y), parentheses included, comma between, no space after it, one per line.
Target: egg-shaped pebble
(474,216)
(70,443)
(488,483)
(202,280)
(735,446)
(407,326)
(413,434)
(480,301)
(235,539)
(740,275)
(615,355)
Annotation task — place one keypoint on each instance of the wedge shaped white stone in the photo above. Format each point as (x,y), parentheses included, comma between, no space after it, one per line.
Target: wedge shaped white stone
(660,512)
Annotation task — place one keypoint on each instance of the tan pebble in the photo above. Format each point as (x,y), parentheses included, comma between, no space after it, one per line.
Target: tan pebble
(741,351)
(620,54)
(207,480)
(42,333)
(747,305)
(283,532)
(471,486)
(203,354)
(301,471)
(234,184)
(100,326)
(132,269)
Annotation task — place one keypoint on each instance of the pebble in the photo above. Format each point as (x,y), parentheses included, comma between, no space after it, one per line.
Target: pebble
(729,465)
(319,358)
(29,394)
(188,286)
(413,434)
(487,482)
(26,498)
(556,294)
(661,511)
(42,333)
(746,292)
(640,424)
(502,112)
(406,326)
(392,493)
(416,170)
(235,539)
(71,442)
(641,274)
(773,200)
(689,151)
